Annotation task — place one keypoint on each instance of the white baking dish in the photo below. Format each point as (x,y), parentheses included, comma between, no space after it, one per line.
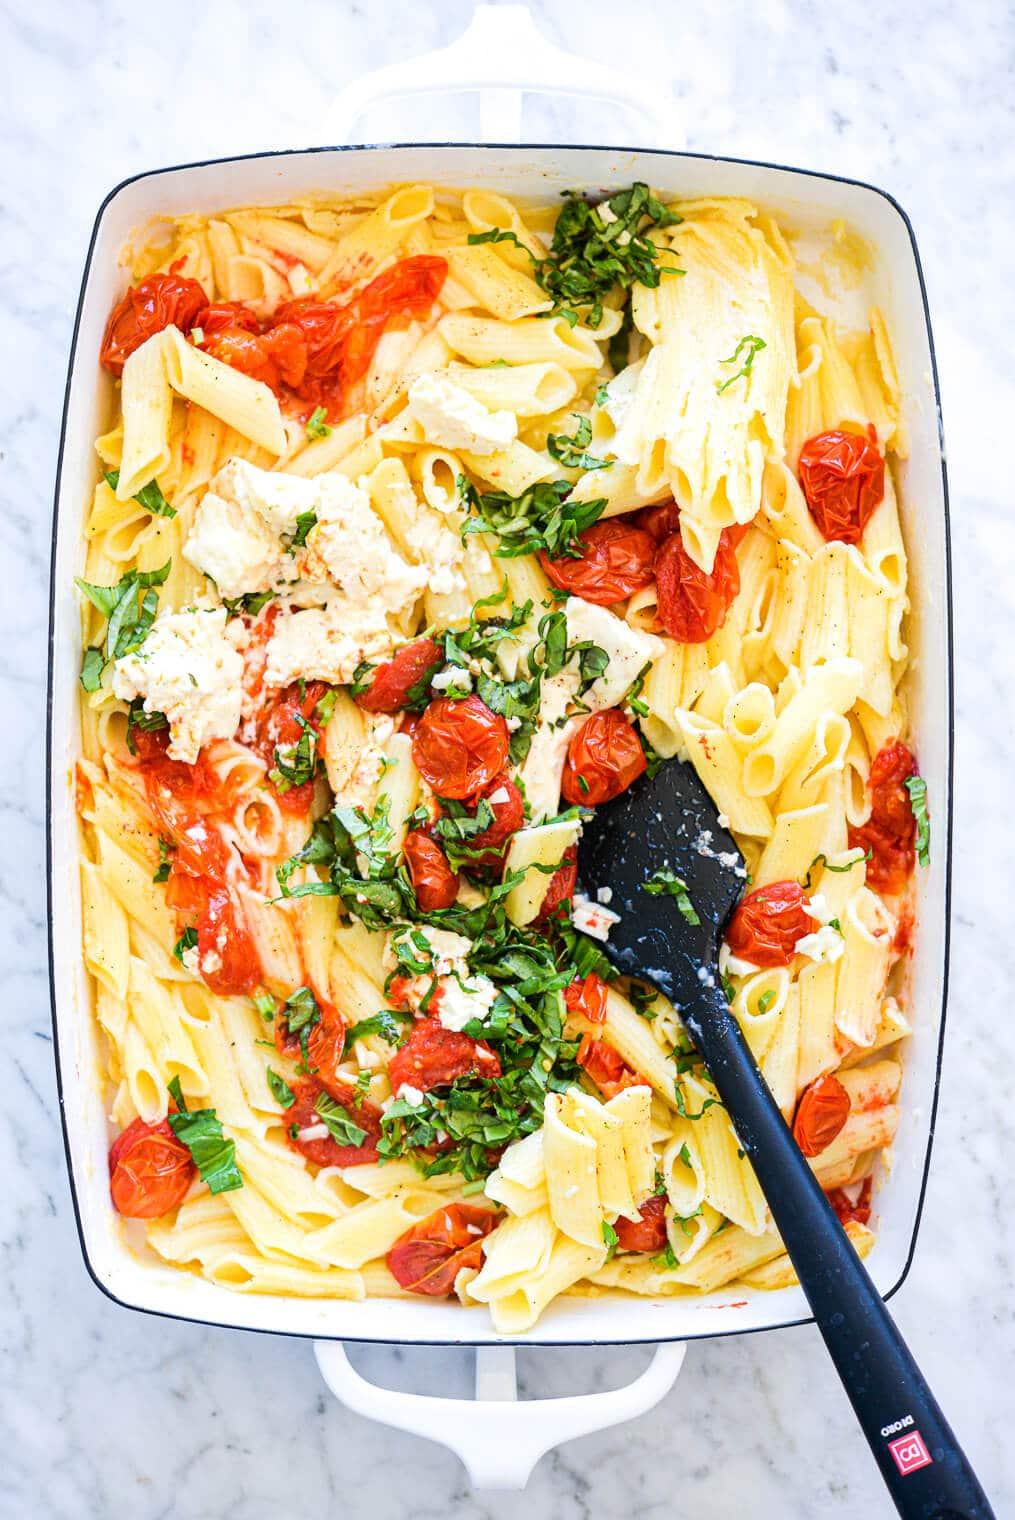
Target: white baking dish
(802,198)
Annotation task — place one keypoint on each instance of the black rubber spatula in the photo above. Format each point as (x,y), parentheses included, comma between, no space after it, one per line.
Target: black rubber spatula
(669,823)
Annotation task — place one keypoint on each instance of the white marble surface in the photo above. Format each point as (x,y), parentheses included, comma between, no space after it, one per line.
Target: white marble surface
(106,1413)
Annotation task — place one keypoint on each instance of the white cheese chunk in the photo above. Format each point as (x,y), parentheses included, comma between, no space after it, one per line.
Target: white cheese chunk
(459,1001)
(825,944)
(326,644)
(189,669)
(593,918)
(440,551)
(350,546)
(452,418)
(732,965)
(234,545)
(279,499)
(628,649)
(451,675)
(411,1095)
(447,949)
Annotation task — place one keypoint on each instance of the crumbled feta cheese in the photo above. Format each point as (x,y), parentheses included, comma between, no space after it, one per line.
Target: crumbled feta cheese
(314,1132)
(189,669)
(440,551)
(326,644)
(592,918)
(447,949)
(279,499)
(604,894)
(628,649)
(191,960)
(411,1095)
(350,545)
(499,797)
(355,790)
(514,723)
(233,545)
(458,1001)
(452,418)
(818,908)
(825,944)
(451,675)
(732,965)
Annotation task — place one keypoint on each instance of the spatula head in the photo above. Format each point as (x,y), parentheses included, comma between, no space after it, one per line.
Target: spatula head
(666,823)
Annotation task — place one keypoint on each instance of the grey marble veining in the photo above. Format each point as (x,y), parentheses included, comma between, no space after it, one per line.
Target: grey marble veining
(105,1413)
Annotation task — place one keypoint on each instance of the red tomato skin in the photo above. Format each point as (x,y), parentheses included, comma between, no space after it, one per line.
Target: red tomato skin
(150,1171)
(508,816)
(277,727)
(328,1152)
(648,1232)
(890,831)
(617,559)
(158,301)
(850,1213)
(433,881)
(560,888)
(430,1255)
(843,480)
(608,1070)
(768,922)
(325,1045)
(221,315)
(392,681)
(277,357)
(433,1056)
(586,996)
(606,755)
(693,604)
(821,1113)
(659,522)
(221,933)
(459,746)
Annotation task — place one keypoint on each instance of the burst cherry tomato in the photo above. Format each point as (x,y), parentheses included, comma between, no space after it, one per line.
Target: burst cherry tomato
(692,603)
(890,831)
(325,1045)
(560,888)
(586,996)
(221,315)
(226,950)
(603,758)
(326,1150)
(851,1213)
(768,922)
(822,1111)
(608,1070)
(393,681)
(843,479)
(323,326)
(430,1255)
(460,746)
(616,560)
(659,522)
(150,1171)
(278,726)
(433,1056)
(434,882)
(159,301)
(647,1232)
(275,357)
(508,816)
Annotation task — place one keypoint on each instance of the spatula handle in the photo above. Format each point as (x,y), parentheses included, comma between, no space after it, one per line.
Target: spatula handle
(921,1462)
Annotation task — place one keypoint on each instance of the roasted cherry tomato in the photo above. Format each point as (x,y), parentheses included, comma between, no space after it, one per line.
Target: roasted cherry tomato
(890,831)
(487,849)
(851,1213)
(692,603)
(430,1255)
(659,522)
(221,315)
(150,1171)
(603,758)
(393,681)
(616,560)
(158,301)
(586,996)
(608,1070)
(768,922)
(276,357)
(325,1150)
(560,888)
(433,881)
(278,726)
(226,950)
(433,1056)
(843,479)
(460,746)
(324,327)
(647,1232)
(325,1046)
(822,1111)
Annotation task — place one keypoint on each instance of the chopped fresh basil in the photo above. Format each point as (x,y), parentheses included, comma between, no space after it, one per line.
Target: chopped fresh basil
(147,722)
(766,1000)
(265,1005)
(682,1106)
(166,848)
(386,1024)
(340,1127)
(611,1240)
(665,883)
(602,395)
(540,518)
(300,1010)
(296,764)
(751,347)
(280,1089)
(570,449)
(667,1258)
(251,604)
(92,666)
(129,608)
(917,789)
(201,1132)
(304,522)
(324,710)
(317,427)
(186,941)
(150,496)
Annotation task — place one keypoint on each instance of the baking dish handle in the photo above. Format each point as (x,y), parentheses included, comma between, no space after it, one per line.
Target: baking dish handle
(499,1438)
(502,53)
